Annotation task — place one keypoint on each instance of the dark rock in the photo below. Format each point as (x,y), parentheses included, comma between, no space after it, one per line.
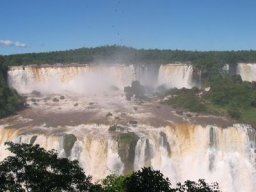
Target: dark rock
(68,143)
(33,139)
(126,149)
(164,142)
(76,104)
(36,93)
(109,114)
(115,127)
(33,100)
(55,100)
(117,118)
(113,88)
(132,122)
(62,97)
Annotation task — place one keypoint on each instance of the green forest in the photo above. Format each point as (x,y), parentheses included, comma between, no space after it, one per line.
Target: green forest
(10,101)
(122,54)
(228,96)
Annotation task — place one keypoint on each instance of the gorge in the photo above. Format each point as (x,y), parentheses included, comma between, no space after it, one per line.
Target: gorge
(81,111)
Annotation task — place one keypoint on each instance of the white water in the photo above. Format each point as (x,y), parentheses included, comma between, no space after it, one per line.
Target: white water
(175,75)
(181,152)
(247,71)
(83,79)
(91,79)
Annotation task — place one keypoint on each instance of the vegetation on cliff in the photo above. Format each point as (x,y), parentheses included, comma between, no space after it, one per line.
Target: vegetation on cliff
(10,101)
(228,95)
(122,54)
(32,168)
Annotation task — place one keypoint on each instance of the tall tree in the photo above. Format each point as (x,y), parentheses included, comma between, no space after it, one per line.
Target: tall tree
(32,168)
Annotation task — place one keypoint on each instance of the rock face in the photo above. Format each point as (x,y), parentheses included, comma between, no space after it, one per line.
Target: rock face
(136,90)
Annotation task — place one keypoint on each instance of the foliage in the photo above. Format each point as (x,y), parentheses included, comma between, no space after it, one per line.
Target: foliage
(201,186)
(10,101)
(147,180)
(184,99)
(113,183)
(121,54)
(32,168)
(228,96)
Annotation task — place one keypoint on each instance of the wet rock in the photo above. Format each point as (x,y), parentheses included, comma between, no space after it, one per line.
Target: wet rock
(33,100)
(117,118)
(55,100)
(179,112)
(46,99)
(115,128)
(113,88)
(128,93)
(33,139)
(109,114)
(189,115)
(164,142)
(68,143)
(136,90)
(126,149)
(36,93)
(133,122)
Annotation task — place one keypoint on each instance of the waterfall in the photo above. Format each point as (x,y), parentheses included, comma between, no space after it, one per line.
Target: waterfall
(79,79)
(247,71)
(83,79)
(180,152)
(175,75)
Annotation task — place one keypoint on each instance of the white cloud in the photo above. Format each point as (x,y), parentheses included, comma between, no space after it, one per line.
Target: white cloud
(19,44)
(9,43)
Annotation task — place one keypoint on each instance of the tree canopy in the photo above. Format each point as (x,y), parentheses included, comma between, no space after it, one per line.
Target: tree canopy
(32,168)
(122,54)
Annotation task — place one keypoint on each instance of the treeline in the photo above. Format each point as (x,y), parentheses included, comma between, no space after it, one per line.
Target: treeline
(10,101)
(122,54)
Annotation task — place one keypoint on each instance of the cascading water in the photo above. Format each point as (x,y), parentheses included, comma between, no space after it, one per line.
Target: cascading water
(80,127)
(181,152)
(247,71)
(175,75)
(85,79)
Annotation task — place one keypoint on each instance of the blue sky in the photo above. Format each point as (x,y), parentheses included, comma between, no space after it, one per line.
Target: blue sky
(48,25)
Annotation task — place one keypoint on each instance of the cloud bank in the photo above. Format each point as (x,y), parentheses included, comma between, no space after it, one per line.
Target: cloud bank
(9,43)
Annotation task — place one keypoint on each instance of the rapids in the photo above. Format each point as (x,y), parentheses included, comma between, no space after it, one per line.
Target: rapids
(82,113)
